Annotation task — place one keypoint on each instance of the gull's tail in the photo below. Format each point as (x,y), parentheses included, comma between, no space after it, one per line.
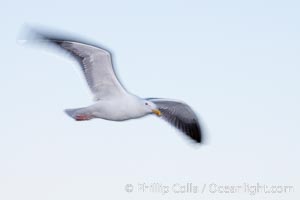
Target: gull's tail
(71,112)
(79,114)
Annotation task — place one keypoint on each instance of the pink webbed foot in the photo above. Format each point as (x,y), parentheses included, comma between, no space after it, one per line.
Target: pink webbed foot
(82,117)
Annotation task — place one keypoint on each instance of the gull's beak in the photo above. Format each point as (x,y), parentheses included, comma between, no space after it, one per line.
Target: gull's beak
(157,112)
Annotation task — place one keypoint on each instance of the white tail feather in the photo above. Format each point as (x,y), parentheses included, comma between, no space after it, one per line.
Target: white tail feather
(72,112)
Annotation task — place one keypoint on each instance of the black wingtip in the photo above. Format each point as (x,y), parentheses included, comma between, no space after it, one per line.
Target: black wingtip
(39,35)
(195,133)
(56,37)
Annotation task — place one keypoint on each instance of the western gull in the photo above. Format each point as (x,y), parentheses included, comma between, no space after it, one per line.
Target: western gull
(112,101)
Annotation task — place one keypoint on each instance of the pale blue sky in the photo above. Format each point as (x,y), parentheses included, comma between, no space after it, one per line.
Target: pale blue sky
(235,62)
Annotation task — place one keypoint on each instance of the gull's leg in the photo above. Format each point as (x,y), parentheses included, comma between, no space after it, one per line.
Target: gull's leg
(80,114)
(82,117)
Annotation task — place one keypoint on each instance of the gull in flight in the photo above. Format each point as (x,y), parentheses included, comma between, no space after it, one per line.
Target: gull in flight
(112,100)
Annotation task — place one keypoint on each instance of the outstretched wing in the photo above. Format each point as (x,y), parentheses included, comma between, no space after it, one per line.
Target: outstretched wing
(95,63)
(179,115)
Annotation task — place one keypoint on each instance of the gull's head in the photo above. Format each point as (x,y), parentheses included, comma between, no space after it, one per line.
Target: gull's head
(151,107)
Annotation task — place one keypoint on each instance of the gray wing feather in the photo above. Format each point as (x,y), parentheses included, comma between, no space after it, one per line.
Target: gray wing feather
(179,115)
(95,63)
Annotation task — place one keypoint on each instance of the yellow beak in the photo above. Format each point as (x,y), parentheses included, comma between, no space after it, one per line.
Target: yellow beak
(157,112)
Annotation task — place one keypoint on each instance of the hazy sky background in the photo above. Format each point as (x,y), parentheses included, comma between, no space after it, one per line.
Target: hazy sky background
(236,63)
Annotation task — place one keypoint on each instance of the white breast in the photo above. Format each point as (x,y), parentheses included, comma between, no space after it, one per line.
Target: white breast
(119,109)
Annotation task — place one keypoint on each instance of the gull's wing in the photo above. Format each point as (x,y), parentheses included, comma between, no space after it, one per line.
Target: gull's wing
(96,64)
(179,115)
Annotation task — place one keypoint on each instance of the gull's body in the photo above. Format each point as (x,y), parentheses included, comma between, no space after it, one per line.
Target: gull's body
(117,109)
(113,101)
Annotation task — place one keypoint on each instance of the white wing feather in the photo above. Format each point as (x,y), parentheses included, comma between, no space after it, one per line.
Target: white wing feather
(96,64)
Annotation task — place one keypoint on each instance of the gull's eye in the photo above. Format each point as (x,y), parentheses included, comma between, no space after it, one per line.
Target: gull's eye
(146,104)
